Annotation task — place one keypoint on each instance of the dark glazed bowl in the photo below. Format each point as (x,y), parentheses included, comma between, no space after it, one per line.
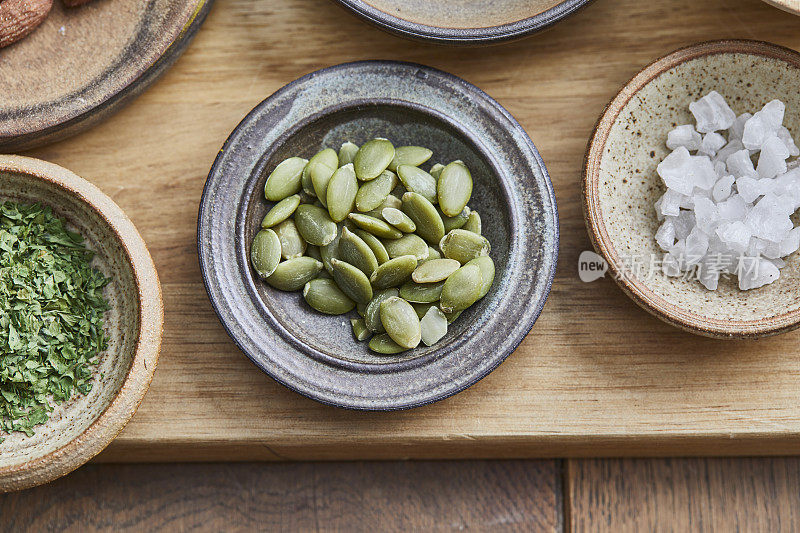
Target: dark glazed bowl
(463,23)
(316,355)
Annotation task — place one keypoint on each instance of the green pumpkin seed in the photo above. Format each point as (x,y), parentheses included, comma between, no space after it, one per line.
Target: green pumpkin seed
(417,180)
(373,158)
(305,182)
(461,289)
(409,155)
(306,198)
(285,180)
(374,192)
(429,224)
(323,274)
(409,244)
(361,308)
(265,253)
(375,245)
(293,274)
(313,251)
(360,330)
(347,153)
(398,219)
(456,222)
(372,312)
(451,317)
(353,282)
(384,345)
(390,201)
(314,225)
(464,246)
(377,227)
(422,309)
(355,251)
(454,188)
(321,175)
(486,265)
(281,211)
(327,157)
(394,272)
(421,293)
(436,170)
(326,297)
(433,326)
(473,223)
(400,322)
(330,251)
(341,193)
(435,270)
(292,244)
(433,253)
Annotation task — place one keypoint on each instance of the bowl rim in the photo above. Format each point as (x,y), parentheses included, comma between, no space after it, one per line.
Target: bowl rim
(593,216)
(220,301)
(116,415)
(464,36)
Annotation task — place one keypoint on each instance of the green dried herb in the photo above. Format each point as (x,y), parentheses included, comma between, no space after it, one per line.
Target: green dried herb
(51,315)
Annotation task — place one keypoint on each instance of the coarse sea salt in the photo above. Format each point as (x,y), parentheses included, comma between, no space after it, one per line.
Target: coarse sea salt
(733,184)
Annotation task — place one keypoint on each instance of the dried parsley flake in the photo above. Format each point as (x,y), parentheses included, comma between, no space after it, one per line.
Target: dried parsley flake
(51,315)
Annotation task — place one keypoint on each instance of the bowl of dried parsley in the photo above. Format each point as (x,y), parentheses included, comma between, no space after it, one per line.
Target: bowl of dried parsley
(81,318)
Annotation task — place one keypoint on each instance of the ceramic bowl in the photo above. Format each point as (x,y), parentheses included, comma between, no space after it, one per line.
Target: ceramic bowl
(790,6)
(83,426)
(463,23)
(317,355)
(620,183)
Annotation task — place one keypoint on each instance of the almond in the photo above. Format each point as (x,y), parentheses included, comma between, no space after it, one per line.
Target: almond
(20,17)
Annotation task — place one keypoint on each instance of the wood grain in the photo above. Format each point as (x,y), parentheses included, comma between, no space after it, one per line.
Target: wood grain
(596,376)
(497,496)
(684,495)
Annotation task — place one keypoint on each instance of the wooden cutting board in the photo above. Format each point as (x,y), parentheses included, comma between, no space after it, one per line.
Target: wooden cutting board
(596,376)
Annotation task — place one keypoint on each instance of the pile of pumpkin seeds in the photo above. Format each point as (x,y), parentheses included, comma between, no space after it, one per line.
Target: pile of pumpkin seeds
(367,228)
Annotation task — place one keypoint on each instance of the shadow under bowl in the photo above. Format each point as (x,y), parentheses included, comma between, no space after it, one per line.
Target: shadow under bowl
(316,354)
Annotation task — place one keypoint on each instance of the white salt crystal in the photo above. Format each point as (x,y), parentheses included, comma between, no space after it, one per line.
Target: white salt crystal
(763,125)
(731,148)
(740,164)
(670,265)
(685,136)
(722,188)
(669,204)
(735,235)
(683,223)
(748,189)
(696,246)
(756,272)
(772,160)
(676,170)
(734,208)
(703,175)
(786,137)
(737,128)
(665,236)
(773,113)
(767,219)
(712,113)
(791,243)
(712,143)
(706,214)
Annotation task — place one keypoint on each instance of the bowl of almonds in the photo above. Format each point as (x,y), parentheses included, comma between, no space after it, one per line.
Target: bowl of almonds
(382,248)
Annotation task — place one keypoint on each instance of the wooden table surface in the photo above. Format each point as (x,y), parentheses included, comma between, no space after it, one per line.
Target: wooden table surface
(596,376)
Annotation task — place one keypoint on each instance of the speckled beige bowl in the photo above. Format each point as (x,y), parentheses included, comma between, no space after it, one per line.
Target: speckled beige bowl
(82,427)
(620,183)
(792,6)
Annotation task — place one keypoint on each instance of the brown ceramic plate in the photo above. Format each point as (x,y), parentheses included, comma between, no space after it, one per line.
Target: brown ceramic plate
(621,185)
(792,6)
(463,21)
(84,63)
(80,428)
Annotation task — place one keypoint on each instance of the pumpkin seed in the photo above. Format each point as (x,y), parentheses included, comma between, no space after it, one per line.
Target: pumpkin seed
(323,274)
(353,282)
(373,158)
(377,227)
(313,251)
(265,253)
(292,244)
(361,308)
(394,272)
(461,289)
(285,179)
(454,188)
(281,211)
(398,219)
(305,182)
(314,225)
(421,293)
(486,265)
(400,322)
(433,253)
(417,180)
(436,170)
(293,274)
(355,251)
(384,345)
(326,297)
(347,153)
(409,244)
(306,198)
(330,251)
(429,224)
(456,222)
(409,155)
(327,157)
(421,309)
(435,270)
(360,330)
(372,312)
(464,246)
(374,192)
(375,245)
(451,317)
(321,175)
(433,326)
(473,223)
(341,193)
